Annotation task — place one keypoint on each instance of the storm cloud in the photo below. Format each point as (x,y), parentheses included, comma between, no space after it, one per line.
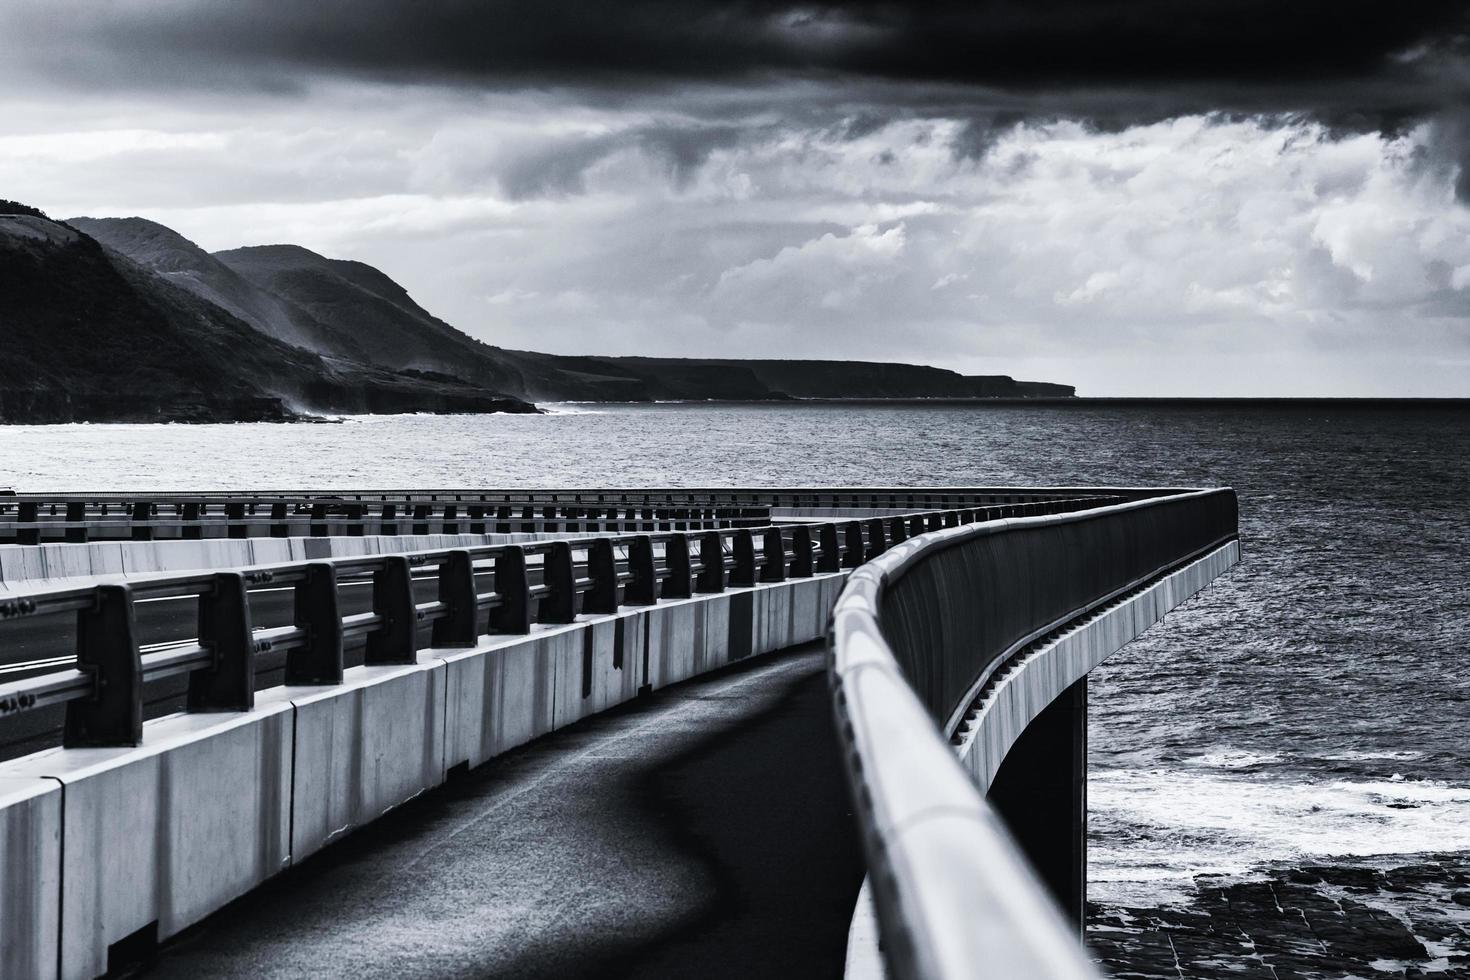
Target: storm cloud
(1040,44)
(1233,197)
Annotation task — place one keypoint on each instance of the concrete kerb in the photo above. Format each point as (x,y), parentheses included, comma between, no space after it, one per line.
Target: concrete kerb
(211,805)
(166,832)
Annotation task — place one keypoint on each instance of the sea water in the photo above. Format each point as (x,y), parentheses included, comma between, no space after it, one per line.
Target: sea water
(1313,706)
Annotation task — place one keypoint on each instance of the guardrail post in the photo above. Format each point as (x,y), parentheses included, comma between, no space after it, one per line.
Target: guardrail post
(320,660)
(876,541)
(224,626)
(801,553)
(394,642)
(356,516)
(915,525)
(107,648)
(27,513)
(279,527)
(76,512)
(831,556)
(451,522)
(388,520)
(601,596)
(191,530)
(477,520)
(142,517)
(642,590)
(898,531)
(852,553)
(421,515)
(744,572)
(712,557)
(235,526)
(514,613)
(319,527)
(773,556)
(560,604)
(676,584)
(934,522)
(457,591)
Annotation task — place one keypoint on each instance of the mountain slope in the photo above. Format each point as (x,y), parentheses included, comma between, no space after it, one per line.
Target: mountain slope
(380,315)
(351,311)
(90,335)
(184,264)
(858,379)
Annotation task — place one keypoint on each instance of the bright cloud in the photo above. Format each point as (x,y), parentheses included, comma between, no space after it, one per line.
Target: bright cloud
(1195,255)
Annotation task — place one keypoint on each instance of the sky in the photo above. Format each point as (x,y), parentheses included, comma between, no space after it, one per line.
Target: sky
(1216,197)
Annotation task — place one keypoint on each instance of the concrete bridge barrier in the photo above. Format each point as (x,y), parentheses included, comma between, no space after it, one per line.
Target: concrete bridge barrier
(37,518)
(55,565)
(979,638)
(132,830)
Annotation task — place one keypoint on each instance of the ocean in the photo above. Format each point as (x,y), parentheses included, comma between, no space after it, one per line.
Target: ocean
(1310,711)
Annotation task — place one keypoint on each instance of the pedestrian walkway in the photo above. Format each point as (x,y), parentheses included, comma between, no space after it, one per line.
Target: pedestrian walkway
(703,830)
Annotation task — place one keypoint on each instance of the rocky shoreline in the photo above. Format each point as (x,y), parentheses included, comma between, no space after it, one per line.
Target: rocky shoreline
(1408,916)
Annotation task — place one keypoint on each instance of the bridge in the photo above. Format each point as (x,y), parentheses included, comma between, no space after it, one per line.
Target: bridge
(203,691)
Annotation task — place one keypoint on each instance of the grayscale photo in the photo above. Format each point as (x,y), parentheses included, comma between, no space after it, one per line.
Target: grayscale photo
(553,490)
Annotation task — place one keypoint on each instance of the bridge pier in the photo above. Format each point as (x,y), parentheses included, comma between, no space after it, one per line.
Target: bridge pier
(1041,793)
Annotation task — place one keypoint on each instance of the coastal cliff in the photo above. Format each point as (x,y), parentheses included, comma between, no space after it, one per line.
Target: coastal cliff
(124,319)
(90,335)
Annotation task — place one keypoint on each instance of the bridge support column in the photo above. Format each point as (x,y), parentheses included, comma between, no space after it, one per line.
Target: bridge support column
(1041,793)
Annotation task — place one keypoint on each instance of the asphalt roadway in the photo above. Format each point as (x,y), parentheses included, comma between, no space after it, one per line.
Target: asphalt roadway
(702,831)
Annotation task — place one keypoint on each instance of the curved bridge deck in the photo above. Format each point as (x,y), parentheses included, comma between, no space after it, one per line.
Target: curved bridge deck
(702,830)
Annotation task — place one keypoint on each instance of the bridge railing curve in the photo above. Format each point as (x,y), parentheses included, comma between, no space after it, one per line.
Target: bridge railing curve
(107,679)
(915,635)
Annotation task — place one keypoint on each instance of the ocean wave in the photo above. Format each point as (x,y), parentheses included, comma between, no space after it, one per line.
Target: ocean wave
(569,408)
(1160,825)
(1228,758)
(1403,756)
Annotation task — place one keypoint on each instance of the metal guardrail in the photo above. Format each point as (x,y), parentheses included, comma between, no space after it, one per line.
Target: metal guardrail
(915,636)
(546,582)
(80,517)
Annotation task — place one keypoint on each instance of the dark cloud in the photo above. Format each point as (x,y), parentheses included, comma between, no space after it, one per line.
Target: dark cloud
(559,167)
(1020,44)
(1354,65)
(979,133)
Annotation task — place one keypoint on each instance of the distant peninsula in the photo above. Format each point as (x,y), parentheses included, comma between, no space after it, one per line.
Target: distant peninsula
(125,320)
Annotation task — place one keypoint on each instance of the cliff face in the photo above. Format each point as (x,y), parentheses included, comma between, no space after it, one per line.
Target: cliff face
(359,305)
(357,301)
(361,324)
(90,335)
(177,260)
(835,379)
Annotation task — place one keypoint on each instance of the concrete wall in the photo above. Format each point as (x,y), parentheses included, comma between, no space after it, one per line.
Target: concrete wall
(1037,678)
(30,888)
(47,565)
(98,844)
(1019,694)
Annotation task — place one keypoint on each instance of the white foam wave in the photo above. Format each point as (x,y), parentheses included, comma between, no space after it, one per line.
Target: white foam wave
(1227,758)
(1160,825)
(569,408)
(1402,756)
